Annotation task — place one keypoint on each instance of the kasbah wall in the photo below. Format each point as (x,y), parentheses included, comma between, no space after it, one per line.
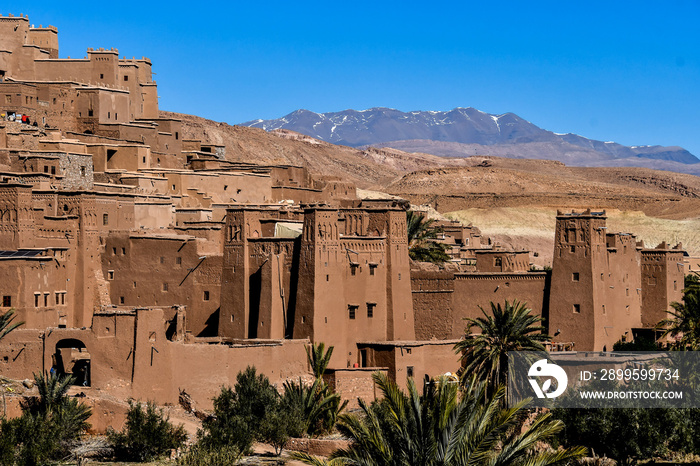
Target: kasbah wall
(144,264)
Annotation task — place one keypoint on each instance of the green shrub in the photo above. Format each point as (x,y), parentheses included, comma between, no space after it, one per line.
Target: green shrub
(200,455)
(147,435)
(240,412)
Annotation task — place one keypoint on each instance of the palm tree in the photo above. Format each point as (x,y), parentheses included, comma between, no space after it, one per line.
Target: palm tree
(319,358)
(315,406)
(53,402)
(509,328)
(6,325)
(684,323)
(443,428)
(421,234)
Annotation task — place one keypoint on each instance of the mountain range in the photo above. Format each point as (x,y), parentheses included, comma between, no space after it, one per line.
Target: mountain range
(467,131)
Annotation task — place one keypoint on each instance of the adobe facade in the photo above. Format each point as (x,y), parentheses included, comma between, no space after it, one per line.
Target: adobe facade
(144,263)
(603,287)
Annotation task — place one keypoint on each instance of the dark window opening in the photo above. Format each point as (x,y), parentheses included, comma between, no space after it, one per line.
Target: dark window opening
(126,78)
(7,301)
(409,371)
(105,219)
(370,309)
(90,113)
(572,248)
(351,311)
(165,287)
(206,296)
(577,308)
(575,276)
(121,300)
(178,260)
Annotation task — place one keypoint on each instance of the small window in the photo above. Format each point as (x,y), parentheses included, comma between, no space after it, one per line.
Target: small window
(109,114)
(206,296)
(53,170)
(102,76)
(577,308)
(370,309)
(110,275)
(575,277)
(83,171)
(57,298)
(162,260)
(46,168)
(123,251)
(328,277)
(36,299)
(352,310)
(178,260)
(105,219)
(126,78)
(675,285)
(604,309)
(114,251)
(409,371)
(353,269)
(173,187)
(90,112)
(7,301)
(572,248)
(46,300)
(177,135)
(372,268)
(165,287)
(121,300)
(63,298)
(497,262)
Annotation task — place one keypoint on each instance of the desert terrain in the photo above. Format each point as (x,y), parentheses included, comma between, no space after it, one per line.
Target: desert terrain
(514,201)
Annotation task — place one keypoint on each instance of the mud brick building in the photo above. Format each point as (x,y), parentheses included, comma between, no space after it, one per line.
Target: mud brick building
(144,263)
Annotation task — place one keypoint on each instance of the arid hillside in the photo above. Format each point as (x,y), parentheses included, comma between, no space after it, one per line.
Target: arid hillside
(513,200)
(533,228)
(493,182)
(371,168)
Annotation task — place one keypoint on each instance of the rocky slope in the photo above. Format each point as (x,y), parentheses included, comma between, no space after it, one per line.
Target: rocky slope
(452,184)
(468,131)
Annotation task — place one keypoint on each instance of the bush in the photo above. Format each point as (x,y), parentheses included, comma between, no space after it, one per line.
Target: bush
(147,435)
(200,455)
(240,413)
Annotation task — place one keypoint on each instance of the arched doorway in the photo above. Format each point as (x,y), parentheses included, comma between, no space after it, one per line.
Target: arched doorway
(72,358)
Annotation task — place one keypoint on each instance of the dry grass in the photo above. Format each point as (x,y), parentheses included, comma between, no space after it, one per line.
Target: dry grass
(531,223)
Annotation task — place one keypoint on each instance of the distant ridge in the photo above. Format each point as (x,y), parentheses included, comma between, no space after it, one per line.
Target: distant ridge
(468,131)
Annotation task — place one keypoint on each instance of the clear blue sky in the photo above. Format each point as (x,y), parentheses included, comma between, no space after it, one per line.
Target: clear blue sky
(615,71)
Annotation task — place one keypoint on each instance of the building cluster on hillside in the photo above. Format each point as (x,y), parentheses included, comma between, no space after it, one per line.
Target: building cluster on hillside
(146,262)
